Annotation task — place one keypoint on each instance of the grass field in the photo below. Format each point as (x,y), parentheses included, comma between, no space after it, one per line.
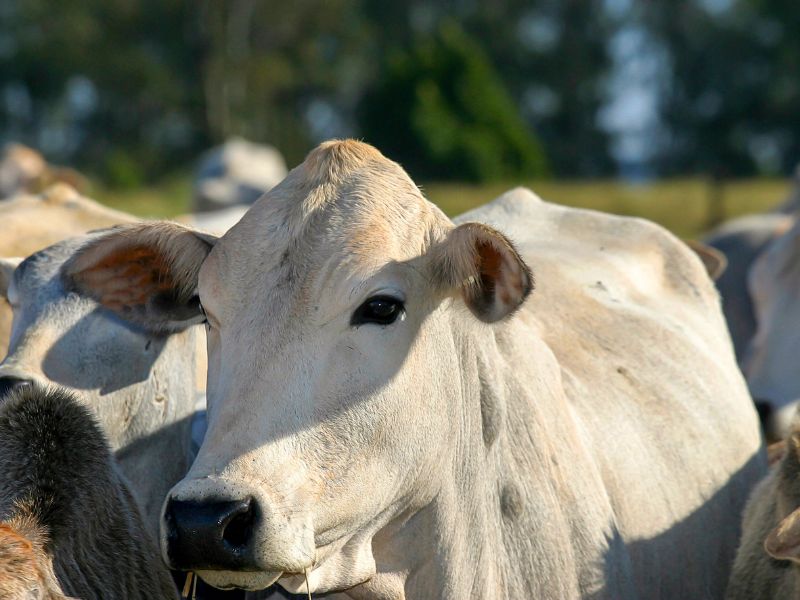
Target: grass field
(686,206)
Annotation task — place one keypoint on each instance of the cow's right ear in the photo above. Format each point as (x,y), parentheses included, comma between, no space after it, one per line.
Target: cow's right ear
(146,273)
(485,266)
(7,268)
(783,542)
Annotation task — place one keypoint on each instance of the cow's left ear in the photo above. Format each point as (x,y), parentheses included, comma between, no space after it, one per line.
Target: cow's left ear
(7,268)
(146,273)
(482,263)
(783,542)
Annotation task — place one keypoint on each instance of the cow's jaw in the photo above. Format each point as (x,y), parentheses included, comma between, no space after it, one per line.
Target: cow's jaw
(343,565)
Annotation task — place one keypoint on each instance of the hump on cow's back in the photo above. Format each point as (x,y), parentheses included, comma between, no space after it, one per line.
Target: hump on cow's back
(511,212)
(632,255)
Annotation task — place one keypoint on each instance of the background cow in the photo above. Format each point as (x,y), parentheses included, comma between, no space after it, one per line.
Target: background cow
(68,522)
(237,172)
(369,425)
(770,364)
(24,170)
(742,240)
(140,384)
(31,222)
(767,564)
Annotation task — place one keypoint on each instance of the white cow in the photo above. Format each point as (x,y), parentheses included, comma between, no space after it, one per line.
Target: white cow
(237,172)
(389,416)
(742,240)
(214,221)
(770,364)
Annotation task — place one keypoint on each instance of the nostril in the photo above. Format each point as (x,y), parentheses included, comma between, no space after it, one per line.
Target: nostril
(237,530)
(9,384)
(210,534)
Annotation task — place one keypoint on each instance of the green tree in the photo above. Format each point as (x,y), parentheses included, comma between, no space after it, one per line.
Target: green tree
(138,62)
(442,111)
(553,57)
(731,99)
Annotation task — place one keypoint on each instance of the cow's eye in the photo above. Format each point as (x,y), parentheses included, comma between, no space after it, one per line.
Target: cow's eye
(381,310)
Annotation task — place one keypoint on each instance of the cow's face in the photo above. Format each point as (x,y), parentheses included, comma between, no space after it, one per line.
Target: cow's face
(335,382)
(62,337)
(770,364)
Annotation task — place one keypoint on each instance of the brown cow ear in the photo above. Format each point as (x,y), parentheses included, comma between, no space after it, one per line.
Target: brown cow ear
(7,268)
(146,273)
(713,260)
(783,542)
(485,266)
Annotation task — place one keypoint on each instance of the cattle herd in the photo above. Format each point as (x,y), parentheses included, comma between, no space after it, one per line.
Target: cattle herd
(318,384)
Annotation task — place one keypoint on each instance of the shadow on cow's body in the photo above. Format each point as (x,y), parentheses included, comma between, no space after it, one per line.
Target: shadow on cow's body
(710,519)
(85,340)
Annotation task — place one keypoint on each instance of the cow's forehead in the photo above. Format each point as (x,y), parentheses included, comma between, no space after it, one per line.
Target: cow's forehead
(346,203)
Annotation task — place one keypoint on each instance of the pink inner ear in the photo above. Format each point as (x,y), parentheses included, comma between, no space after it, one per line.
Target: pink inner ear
(126,277)
(500,274)
(489,265)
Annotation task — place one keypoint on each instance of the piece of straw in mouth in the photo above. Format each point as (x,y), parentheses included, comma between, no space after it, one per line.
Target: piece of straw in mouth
(187,587)
(308,587)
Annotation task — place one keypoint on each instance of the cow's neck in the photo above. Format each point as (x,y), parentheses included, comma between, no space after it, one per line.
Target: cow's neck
(501,498)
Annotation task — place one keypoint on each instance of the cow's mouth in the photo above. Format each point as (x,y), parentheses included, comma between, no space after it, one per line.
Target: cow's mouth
(252,581)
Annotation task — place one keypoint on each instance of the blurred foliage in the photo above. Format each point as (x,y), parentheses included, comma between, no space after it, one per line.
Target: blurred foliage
(441,110)
(132,89)
(107,83)
(731,101)
(168,198)
(553,56)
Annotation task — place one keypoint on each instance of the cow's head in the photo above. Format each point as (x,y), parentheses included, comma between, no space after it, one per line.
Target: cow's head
(63,337)
(338,311)
(770,363)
